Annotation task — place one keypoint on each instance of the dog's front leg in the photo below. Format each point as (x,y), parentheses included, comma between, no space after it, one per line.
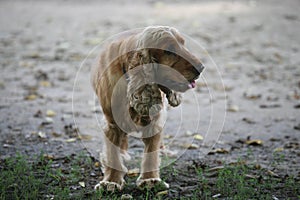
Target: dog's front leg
(111,160)
(149,177)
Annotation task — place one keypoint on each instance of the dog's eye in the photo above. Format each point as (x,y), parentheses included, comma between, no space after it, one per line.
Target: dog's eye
(170,53)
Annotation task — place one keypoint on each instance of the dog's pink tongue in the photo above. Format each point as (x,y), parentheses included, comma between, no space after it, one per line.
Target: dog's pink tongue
(192,84)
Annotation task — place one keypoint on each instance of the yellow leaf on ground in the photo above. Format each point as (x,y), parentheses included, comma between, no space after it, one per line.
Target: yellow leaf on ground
(71,140)
(97,164)
(50,113)
(279,149)
(45,83)
(190,146)
(48,157)
(168,136)
(220,150)
(254,142)
(31,97)
(165,192)
(198,137)
(82,184)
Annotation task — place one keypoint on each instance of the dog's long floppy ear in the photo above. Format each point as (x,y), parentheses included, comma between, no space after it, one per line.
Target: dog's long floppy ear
(142,91)
(143,59)
(141,69)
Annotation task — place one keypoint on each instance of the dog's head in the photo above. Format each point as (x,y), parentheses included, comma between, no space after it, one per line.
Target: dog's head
(165,46)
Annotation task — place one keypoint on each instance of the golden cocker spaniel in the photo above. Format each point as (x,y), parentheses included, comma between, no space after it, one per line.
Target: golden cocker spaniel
(134,74)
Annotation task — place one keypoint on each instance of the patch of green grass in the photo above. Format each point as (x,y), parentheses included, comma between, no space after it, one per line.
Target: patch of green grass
(242,181)
(23,179)
(45,177)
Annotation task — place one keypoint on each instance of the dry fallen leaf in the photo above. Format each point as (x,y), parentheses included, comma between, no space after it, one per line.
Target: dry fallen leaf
(252,96)
(55,134)
(48,157)
(254,142)
(248,120)
(168,136)
(82,184)
(133,172)
(279,149)
(50,113)
(233,108)
(188,133)
(97,164)
(220,150)
(190,146)
(42,134)
(272,174)
(165,192)
(257,166)
(71,140)
(198,137)
(45,84)
(31,97)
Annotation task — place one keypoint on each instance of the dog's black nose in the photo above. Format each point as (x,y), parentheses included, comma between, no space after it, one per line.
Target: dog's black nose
(199,67)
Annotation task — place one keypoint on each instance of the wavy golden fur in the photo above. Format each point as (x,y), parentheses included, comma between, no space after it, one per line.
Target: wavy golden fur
(127,82)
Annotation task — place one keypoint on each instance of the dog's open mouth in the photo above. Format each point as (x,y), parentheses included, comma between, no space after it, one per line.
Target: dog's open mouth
(179,86)
(192,84)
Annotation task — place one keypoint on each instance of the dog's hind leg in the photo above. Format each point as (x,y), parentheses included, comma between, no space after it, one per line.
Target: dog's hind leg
(112,161)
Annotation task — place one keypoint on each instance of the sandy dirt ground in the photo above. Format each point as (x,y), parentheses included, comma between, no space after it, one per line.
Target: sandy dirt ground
(248,97)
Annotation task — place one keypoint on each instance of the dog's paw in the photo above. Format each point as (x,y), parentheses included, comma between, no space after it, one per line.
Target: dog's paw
(109,186)
(150,183)
(174,99)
